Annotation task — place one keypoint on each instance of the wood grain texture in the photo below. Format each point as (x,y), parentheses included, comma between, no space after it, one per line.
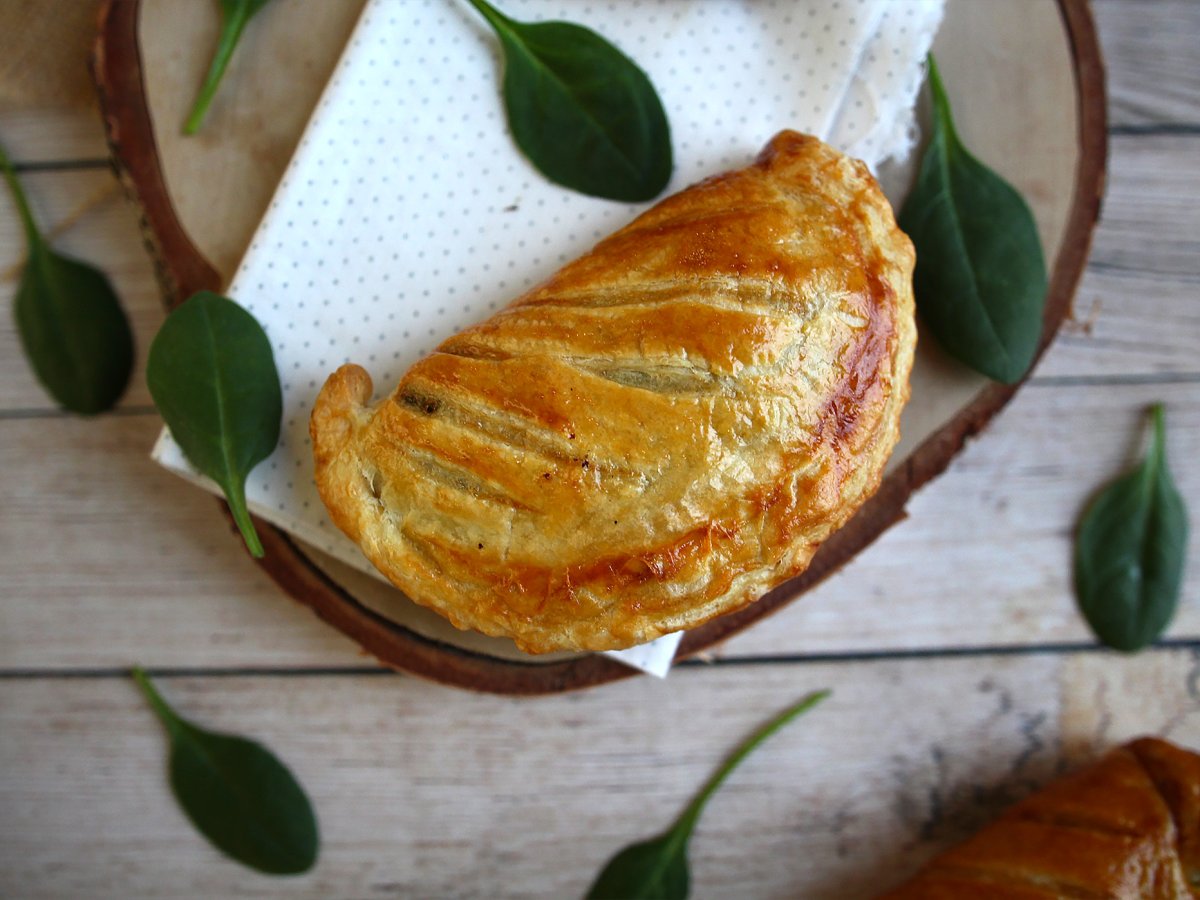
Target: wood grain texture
(1153,61)
(512,798)
(32,47)
(53,134)
(1152,224)
(982,559)
(432,792)
(152,570)
(1136,311)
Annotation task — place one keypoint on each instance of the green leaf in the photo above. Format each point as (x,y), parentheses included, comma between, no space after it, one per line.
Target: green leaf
(582,111)
(72,328)
(234,16)
(238,794)
(980,279)
(1129,552)
(212,375)
(657,869)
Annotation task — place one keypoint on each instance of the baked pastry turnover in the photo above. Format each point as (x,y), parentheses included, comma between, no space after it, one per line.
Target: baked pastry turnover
(1126,828)
(660,433)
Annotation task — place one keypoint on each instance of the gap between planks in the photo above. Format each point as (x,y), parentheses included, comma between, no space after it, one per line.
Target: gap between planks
(996,651)
(165,582)
(61,165)
(1157,129)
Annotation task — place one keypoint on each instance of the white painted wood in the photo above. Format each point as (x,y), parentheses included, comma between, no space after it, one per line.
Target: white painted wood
(1153,60)
(424,792)
(109,560)
(1150,221)
(113,561)
(1138,307)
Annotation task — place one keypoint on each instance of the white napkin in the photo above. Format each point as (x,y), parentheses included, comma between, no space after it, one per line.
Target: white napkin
(408,213)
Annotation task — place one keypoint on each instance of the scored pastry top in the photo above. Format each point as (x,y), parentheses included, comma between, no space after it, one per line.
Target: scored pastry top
(658,434)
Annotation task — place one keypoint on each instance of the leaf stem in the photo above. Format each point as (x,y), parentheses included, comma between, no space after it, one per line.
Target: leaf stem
(941,102)
(166,715)
(688,817)
(231,31)
(494,17)
(1158,446)
(241,517)
(31,230)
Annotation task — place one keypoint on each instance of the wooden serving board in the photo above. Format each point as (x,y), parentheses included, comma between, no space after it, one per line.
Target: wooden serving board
(1026,80)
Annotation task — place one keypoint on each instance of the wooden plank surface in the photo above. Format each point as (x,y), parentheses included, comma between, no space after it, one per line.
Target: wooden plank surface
(57,135)
(983,558)
(1136,310)
(1153,61)
(1135,314)
(424,792)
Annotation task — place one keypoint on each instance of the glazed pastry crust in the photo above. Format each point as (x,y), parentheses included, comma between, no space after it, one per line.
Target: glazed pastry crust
(660,433)
(1126,828)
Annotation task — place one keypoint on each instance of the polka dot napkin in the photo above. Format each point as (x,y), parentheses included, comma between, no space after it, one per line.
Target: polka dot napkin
(407,212)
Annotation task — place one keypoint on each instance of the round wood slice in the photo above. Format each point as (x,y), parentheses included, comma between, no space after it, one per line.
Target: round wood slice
(1027,81)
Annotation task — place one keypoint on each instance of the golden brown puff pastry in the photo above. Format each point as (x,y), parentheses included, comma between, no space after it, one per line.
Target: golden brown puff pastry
(1126,828)
(658,434)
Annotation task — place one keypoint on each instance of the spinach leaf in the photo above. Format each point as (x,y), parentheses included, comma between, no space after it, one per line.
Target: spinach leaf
(1129,551)
(238,794)
(582,111)
(72,328)
(658,868)
(234,16)
(980,280)
(212,375)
